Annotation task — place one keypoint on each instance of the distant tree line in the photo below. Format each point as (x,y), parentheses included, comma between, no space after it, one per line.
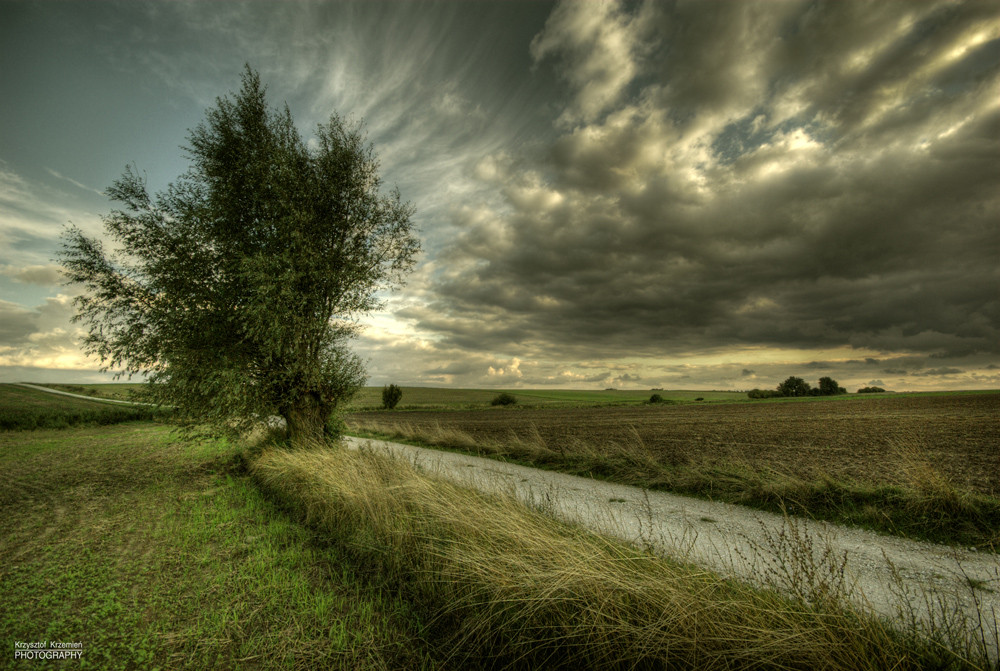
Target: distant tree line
(796,386)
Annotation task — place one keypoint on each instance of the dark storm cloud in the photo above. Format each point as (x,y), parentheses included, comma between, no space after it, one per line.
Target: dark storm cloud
(940,371)
(854,201)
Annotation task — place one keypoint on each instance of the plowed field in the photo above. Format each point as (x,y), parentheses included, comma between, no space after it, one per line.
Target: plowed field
(862,439)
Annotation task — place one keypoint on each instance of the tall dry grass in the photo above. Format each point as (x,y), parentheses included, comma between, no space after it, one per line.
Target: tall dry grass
(508,587)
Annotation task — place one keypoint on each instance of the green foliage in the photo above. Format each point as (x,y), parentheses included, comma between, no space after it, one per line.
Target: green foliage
(829,387)
(656,398)
(763,393)
(238,288)
(794,386)
(504,399)
(335,427)
(391,394)
(871,390)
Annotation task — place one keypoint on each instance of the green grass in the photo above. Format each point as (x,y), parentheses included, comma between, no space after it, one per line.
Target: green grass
(121,391)
(441,398)
(432,398)
(157,553)
(22,408)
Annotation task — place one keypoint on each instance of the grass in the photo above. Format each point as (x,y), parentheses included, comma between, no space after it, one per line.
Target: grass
(922,504)
(24,409)
(443,398)
(429,398)
(158,553)
(437,398)
(509,587)
(120,391)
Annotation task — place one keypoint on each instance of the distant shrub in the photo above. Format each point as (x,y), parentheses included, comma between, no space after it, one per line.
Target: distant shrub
(763,393)
(700,398)
(871,390)
(390,396)
(504,399)
(656,398)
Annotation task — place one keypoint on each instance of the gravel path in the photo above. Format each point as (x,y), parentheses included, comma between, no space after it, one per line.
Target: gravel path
(896,577)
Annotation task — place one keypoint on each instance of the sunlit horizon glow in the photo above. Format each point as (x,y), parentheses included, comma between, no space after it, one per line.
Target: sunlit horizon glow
(631,195)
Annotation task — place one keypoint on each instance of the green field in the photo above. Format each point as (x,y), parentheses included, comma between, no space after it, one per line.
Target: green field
(22,408)
(439,398)
(158,553)
(121,391)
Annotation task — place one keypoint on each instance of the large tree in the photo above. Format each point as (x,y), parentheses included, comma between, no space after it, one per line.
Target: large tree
(236,290)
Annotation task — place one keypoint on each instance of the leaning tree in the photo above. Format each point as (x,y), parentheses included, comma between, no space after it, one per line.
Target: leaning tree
(235,292)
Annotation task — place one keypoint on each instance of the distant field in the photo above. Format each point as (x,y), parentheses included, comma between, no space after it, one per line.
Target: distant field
(22,408)
(436,398)
(423,398)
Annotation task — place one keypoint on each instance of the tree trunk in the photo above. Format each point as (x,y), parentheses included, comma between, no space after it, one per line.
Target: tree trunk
(306,421)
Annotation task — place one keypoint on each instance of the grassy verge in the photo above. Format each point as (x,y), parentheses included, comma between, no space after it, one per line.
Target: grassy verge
(25,409)
(121,391)
(508,587)
(923,504)
(158,553)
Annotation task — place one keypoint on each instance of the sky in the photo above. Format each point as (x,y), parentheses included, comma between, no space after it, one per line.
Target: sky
(638,195)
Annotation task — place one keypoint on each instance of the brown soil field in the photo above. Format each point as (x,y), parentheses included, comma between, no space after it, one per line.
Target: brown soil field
(868,440)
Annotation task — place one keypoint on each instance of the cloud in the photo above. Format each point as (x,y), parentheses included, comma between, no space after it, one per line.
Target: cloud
(43,275)
(826,219)
(31,218)
(940,371)
(595,44)
(42,336)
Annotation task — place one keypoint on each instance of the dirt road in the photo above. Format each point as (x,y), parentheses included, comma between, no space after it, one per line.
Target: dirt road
(896,577)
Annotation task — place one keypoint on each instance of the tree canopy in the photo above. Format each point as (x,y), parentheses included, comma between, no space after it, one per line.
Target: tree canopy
(236,291)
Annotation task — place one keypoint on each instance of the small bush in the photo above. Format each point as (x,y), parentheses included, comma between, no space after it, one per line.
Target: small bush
(763,393)
(504,399)
(656,398)
(390,396)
